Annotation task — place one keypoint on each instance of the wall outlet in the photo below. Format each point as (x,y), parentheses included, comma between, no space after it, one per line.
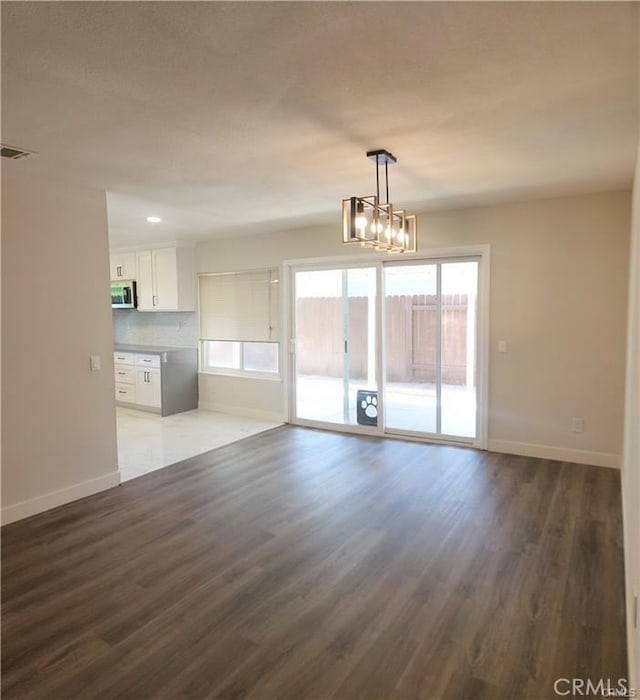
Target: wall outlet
(502,346)
(577,425)
(94,363)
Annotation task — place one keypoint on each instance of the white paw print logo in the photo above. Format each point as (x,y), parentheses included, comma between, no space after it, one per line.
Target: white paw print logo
(370,406)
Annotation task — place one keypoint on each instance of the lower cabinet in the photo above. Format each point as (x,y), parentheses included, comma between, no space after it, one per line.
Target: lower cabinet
(148,388)
(125,376)
(163,382)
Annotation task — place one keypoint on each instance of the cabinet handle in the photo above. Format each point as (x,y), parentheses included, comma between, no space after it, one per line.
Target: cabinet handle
(121,392)
(119,270)
(122,374)
(154,300)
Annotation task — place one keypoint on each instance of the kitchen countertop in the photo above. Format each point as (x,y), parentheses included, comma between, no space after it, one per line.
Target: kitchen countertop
(151,349)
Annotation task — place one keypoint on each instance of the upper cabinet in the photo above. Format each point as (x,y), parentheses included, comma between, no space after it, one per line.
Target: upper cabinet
(123,266)
(166,280)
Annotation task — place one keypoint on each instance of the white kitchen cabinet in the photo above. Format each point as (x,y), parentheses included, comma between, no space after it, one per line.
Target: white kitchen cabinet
(148,387)
(166,280)
(124,373)
(145,285)
(123,266)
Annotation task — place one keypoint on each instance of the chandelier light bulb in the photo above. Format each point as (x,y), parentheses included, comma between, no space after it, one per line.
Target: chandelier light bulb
(361,222)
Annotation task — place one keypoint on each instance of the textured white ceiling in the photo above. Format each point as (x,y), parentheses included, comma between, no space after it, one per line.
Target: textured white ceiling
(228,118)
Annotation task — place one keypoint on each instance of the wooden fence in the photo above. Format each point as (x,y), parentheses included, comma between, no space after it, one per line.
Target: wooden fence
(411,337)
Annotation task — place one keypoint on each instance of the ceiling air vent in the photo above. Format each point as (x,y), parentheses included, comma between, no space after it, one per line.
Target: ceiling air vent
(14,153)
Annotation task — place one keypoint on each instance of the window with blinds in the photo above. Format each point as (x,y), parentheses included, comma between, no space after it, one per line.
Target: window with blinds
(239,321)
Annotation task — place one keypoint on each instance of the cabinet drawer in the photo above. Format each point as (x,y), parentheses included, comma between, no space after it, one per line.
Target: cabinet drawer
(147,360)
(126,393)
(124,375)
(123,358)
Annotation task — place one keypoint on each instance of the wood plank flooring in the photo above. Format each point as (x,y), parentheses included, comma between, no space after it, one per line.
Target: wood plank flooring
(306,564)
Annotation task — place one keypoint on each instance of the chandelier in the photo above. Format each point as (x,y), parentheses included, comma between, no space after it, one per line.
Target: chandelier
(374,225)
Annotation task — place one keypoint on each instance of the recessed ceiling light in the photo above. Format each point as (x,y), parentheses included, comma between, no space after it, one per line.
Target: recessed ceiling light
(154,219)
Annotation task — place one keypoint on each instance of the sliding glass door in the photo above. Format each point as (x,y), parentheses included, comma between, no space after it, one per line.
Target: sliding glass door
(335,346)
(412,336)
(402,360)
(430,348)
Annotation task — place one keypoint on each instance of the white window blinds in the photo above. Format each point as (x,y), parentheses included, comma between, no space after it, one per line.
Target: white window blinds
(241,306)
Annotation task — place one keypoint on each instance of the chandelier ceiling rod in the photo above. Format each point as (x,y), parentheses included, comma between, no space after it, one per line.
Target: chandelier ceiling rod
(385,157)
(386,178)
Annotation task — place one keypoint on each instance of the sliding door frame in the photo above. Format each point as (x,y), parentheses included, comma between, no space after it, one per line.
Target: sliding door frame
(482,253)
(290,268)
(480,420)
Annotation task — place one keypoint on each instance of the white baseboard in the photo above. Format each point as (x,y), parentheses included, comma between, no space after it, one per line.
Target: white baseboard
(562,454)
(241,411)
(39,504)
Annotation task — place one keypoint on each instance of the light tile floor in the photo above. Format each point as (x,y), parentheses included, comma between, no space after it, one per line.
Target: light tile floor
(147,442)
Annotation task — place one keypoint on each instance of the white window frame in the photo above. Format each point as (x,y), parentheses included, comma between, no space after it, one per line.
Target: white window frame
(241,372)
(276,376)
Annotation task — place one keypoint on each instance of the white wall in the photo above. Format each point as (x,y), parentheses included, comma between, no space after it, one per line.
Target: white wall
(631,459)
(558,296)
(255,398)
(58,417)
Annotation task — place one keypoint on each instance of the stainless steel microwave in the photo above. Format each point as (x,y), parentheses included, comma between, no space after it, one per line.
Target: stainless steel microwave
(123,295)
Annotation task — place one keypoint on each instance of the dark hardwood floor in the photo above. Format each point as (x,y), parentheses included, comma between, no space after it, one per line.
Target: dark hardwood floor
(306,564)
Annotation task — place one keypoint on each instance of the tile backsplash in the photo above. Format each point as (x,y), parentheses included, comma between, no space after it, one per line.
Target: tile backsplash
(178,329)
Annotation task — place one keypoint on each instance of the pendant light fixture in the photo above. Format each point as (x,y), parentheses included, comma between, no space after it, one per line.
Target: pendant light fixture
(374,225)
